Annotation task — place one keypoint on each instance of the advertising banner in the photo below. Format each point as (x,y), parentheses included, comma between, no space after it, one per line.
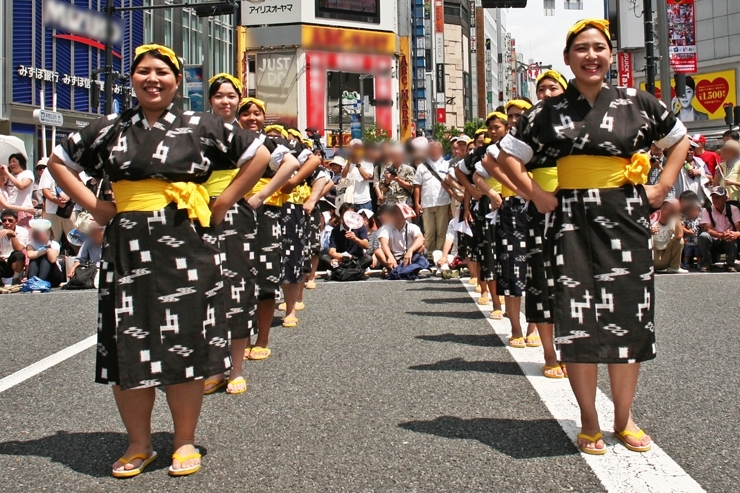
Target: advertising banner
(682,36)
(624,67)
(404,86)
(276,85)
(270,12)
(193,75)
(705,96)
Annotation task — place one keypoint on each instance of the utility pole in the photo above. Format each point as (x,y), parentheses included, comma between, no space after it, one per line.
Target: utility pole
(647,13)
(108,68)
(665,60)
(341,112)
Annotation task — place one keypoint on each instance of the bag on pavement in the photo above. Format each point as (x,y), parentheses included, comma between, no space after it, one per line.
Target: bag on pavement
(36,284)
(83,278)
(348,271)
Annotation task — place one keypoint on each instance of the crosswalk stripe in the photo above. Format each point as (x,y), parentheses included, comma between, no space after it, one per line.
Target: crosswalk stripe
(619,470)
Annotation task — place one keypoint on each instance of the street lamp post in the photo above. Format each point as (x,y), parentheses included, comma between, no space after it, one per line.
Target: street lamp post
(202,9)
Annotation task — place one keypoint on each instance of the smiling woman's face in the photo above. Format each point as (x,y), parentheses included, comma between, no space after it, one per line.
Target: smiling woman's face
(589,57)
(155,83)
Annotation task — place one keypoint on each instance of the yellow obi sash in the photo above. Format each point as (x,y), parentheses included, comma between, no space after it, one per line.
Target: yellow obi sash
(299,195)
(546,178)
(494,184)
(153,195)
(219,181)
(276,199)
(507,192)
(579,172)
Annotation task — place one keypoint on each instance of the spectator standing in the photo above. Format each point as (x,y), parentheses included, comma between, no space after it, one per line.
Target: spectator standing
(13,240)
(54,198)
(431,197)
(361,172)
(668,238)
(19,186)
(710,158)
(43,253)
(398,179)
(721,223)
(336,165)
(691,222)
(693,175)
(728,171)
(36,196)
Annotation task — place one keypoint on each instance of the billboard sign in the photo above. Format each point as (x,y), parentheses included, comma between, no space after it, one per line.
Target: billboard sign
(276,85)
(624,69)
(682,36)
(270,12)
(706,94)
(193,75)
(65,17)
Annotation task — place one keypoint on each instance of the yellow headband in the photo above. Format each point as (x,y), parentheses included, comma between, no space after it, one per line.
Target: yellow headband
(496,114)
(260,104)
(480,131)
(295,133)
(601,24)
(519,103)
(554,75)
(308,143)
(162,50)
(223,75)
(276,128)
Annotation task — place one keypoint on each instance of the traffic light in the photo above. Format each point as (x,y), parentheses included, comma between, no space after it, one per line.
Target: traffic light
(211,9)
(503,4)
(728,114)
(680,85)
(381,103)
(736,111)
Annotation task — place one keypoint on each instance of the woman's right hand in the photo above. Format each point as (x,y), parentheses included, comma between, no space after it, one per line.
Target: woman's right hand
(545,202)
(104,212)
(469,217)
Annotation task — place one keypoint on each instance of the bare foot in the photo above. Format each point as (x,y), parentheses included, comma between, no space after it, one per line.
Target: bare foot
(184,451)
(635,442)
(133,449)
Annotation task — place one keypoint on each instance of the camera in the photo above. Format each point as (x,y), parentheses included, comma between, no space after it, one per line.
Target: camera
(392,172)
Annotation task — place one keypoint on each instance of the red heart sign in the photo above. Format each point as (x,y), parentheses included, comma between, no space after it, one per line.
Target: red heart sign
(712,94)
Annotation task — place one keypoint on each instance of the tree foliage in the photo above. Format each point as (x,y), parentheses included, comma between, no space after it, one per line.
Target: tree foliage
(374,134)
(473,125)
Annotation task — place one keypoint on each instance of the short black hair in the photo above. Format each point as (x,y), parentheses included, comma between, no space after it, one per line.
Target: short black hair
(688,195)
(216,85)
(22,161)
(9,212)
(346,206)
(732,135)
(690,83)
(385,209)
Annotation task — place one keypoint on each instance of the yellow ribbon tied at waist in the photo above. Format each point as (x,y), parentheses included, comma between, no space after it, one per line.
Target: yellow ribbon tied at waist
(153,195)
(299,195)
(276,199)
(219,181)
(546,178)
(494,184)
(580,172)
(507,192)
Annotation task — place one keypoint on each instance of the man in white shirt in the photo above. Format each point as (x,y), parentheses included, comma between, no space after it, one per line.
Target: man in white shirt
(721,224)
(432,196)
(400,239)
(60,226)
(13,238)
(361,172)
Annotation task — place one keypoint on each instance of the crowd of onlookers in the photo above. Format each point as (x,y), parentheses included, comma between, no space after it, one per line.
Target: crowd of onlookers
(44,235)
(406,195)
(699,224)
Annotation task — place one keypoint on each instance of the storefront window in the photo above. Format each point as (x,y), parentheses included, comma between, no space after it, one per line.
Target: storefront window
(349,85)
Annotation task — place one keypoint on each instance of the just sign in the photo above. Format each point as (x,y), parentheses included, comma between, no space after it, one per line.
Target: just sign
(68,18)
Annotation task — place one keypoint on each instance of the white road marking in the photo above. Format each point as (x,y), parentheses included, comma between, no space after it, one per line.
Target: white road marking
(619,470)
(46,363)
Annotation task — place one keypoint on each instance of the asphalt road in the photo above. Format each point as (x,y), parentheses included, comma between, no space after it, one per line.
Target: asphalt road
(384,387)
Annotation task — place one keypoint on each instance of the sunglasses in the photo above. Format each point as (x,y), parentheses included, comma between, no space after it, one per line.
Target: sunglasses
(7,220)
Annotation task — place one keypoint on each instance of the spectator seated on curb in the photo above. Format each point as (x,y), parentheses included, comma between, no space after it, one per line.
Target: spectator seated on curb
(668,238)
(400,239)
(721,224)
(91,250)
(13,241)
(373,250)
(443,258)
(43,253)
(346,244)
